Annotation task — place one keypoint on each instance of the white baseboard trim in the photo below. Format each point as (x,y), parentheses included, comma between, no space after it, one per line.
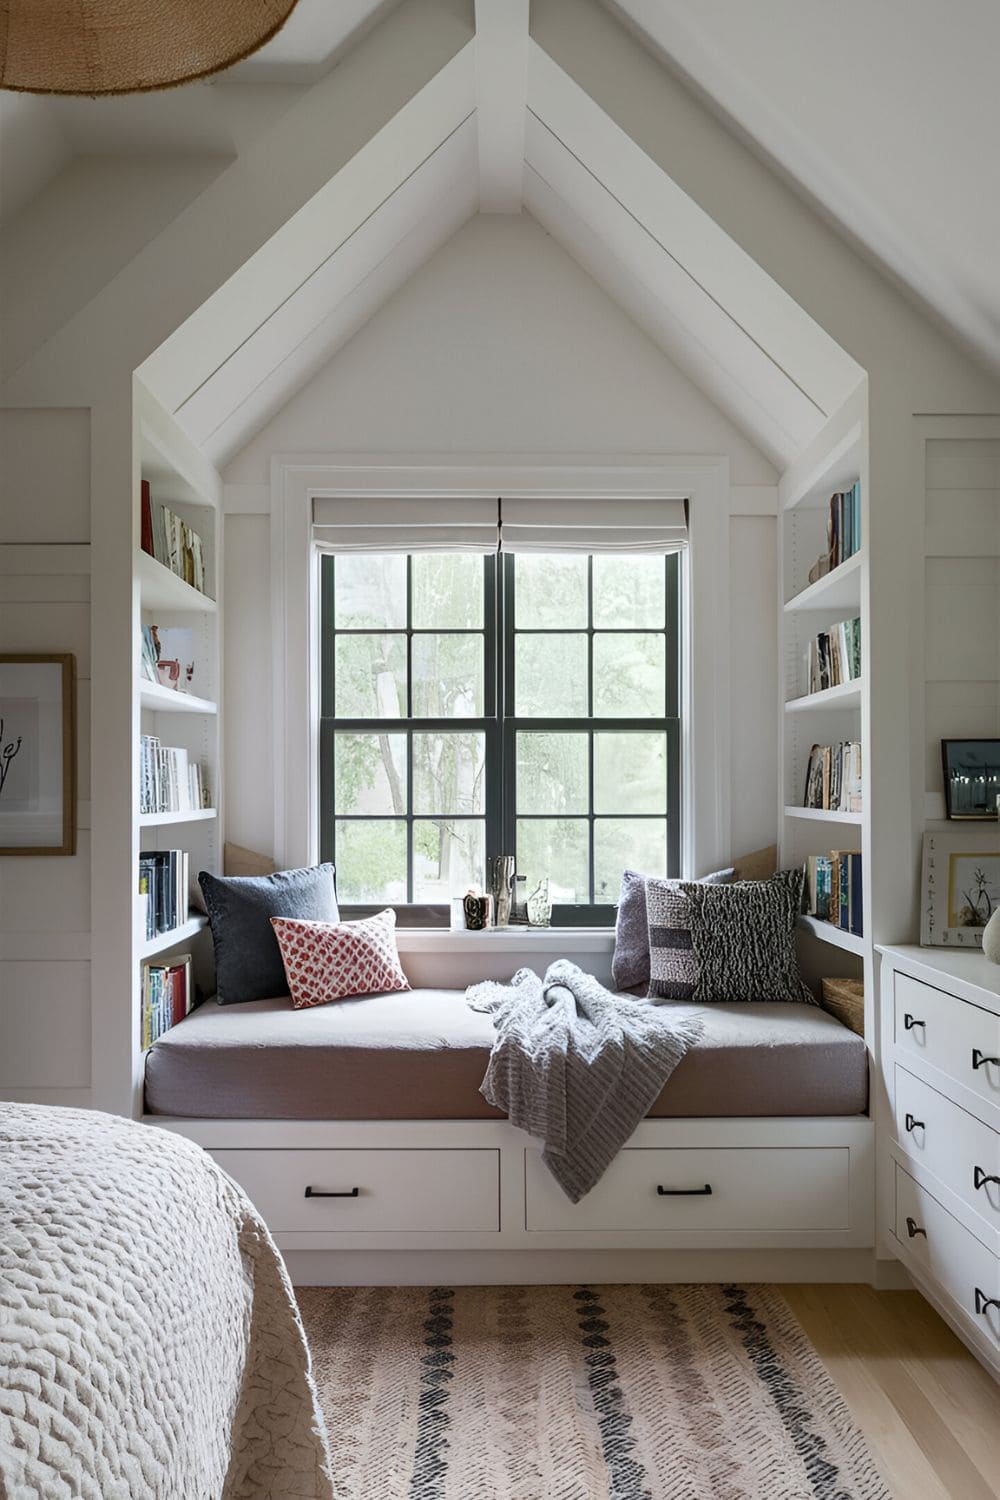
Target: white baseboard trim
(554,1267)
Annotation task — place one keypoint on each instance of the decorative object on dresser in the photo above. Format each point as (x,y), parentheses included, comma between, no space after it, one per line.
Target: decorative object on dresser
(991,938)
(971,771)
(960,886)
(941,1068)
(37,754)
(248,964)
(845,999)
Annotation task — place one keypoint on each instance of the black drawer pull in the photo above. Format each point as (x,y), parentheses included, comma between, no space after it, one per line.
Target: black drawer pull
(984,1303)
(980,1060)
(913,1228)
(702,1192)
(910,1021)
(912,1124)
(981,1178)
(312,1192)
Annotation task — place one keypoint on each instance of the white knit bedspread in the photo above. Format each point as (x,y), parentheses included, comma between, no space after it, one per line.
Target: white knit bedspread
(150,1345)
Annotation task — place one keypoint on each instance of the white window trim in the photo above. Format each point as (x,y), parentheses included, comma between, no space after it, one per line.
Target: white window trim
(705,708)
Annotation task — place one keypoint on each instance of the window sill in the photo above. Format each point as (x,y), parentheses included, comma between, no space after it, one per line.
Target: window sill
(566,941)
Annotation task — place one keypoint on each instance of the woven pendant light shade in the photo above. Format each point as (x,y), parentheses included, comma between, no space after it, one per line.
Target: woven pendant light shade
(128,46)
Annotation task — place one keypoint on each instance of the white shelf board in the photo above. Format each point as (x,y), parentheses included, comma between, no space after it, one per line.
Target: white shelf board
(822,815)
(159,588)
(827,933)
(840,589)
(836,471)
(164,700)
(847,695)
(182,934)
(156,820)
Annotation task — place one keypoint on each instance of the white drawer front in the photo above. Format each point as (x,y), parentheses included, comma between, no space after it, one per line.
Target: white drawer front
(959,1149)
(963,1267)
(957,1038)
(757,1188)
(375,1190)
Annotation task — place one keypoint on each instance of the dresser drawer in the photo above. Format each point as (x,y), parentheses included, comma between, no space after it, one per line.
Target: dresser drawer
(665,1189)
(959,1149)
(948,1034)
(370,1189)
(963,1268)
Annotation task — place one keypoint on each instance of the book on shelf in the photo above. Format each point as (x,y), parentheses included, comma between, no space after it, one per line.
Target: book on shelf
(833,778)
(832,889)
(833,657)
(167,657)
(171,541)
(167,995)
(843,531)
(164,879)
(168,780)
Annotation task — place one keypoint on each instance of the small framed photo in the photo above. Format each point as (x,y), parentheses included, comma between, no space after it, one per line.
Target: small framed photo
(37,755)
(971,770)
(960,887)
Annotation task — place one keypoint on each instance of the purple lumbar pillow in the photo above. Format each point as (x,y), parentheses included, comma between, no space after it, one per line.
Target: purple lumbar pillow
(630,965)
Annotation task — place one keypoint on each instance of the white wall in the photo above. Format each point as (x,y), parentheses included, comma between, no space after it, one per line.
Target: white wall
(499,345)
(45,900)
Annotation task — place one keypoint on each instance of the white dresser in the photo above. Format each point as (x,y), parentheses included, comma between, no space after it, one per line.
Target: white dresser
(940,1162)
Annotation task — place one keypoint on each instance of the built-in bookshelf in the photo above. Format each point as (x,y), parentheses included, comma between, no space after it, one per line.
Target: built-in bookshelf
(189,722)
(823,606)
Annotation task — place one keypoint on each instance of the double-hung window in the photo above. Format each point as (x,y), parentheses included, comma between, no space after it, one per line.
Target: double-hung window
(523,700)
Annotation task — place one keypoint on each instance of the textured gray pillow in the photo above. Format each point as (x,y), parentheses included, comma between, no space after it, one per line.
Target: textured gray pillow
(248,963)
(743,939)
(630,965)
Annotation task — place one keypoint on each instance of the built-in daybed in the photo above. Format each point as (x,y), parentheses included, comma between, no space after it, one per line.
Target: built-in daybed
(359,1130)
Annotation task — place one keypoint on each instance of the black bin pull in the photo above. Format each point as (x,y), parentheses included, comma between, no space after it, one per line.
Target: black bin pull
(913,1228)
(980,1178)
(980,1060)
(984,1303)
(910,1021)
(702,1192)
(312,1192)
(912,1124)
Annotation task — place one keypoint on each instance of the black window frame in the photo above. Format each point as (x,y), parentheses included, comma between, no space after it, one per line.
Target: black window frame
(500,731)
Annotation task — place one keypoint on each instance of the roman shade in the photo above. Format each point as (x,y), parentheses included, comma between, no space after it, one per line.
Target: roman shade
(370,524)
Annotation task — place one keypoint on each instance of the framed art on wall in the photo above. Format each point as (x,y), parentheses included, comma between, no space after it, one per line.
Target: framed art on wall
(37,755)
(971,770)
(960,887)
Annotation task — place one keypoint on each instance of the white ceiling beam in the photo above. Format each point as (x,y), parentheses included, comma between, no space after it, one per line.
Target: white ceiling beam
(501,95)
(793,340)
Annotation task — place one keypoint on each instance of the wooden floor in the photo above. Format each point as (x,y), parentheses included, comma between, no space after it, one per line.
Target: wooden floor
(929,1410)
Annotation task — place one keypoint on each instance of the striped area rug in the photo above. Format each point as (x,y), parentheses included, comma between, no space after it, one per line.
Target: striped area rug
(579,1393)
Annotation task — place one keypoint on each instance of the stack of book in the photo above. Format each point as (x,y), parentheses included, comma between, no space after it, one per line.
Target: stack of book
(843,532)
(834,656)
(833,777)
(168,780)
(833,888)
(163,879)
(167,996)
(172,541)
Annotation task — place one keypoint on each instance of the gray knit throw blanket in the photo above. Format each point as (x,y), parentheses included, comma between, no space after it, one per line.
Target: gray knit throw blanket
(576,1066)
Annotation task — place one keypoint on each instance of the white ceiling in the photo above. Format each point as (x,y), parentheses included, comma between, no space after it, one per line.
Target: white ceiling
(887,115)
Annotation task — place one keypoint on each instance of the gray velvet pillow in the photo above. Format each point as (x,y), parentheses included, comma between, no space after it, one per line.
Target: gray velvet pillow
(248,963)
(743,939)
(630,964)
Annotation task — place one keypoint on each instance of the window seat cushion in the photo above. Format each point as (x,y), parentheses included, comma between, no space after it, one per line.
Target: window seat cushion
(421,1055)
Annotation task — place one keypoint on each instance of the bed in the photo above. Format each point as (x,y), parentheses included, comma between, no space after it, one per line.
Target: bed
(149,1341)
(421,1055)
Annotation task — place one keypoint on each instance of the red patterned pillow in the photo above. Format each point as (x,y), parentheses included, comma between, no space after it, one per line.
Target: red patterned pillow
(331,960)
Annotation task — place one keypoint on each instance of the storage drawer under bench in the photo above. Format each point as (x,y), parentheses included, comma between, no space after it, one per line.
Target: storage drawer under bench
(370,1189)
(697,1188)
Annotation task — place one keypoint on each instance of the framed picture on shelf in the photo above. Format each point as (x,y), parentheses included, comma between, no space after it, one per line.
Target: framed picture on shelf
(971,770)
(37,755)
(960,887)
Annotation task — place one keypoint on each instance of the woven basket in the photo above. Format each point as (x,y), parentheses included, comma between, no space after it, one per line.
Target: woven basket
(845,999)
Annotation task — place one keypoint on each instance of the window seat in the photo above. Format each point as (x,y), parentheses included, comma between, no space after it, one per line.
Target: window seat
(421,1055)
